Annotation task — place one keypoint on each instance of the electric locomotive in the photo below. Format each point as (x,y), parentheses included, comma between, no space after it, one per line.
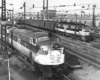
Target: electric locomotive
(39,50)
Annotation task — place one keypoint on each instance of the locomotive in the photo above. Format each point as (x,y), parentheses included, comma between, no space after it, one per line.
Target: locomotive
(72,29)
(35,46)
(76,30)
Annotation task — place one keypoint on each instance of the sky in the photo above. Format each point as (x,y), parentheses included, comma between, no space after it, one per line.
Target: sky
(39,3)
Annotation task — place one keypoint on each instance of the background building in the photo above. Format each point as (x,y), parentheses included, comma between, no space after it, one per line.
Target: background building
(88,20)
(48,14)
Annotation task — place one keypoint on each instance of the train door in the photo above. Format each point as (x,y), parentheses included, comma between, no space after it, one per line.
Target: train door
(19,44)
(30,56)
(12,37)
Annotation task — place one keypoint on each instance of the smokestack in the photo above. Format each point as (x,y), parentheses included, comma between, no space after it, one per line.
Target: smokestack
(47,4)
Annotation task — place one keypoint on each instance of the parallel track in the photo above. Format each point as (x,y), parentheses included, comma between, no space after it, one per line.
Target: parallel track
(80,49)
(66,78)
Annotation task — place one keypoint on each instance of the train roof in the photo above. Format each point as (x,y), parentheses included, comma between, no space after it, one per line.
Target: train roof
(43,20)
(72,23)
(34,34)
(29,33)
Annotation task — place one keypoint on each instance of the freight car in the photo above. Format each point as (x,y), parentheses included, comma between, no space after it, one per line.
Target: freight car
(39,50)
(72,29)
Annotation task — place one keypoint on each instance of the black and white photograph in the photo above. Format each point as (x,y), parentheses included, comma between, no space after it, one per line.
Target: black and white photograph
(49,39)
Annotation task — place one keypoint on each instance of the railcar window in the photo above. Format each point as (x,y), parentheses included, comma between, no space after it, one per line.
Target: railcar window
(26,44)
(23,43)
(19,40)
(44,24)
(73,27)
(34,41)
(69,26)
(58,24)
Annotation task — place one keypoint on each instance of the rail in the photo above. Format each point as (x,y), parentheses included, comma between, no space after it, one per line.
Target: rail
(96,35)
(80,49)
(66,77)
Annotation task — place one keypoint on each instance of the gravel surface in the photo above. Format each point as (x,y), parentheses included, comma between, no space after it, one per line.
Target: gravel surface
(3,70)
(87,73)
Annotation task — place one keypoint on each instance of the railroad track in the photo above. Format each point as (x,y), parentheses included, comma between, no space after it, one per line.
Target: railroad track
(96,35)
(80,49)
(66,77)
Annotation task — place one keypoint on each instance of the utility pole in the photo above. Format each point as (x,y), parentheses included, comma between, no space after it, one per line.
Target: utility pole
(24,5)
(43,9)
(93,18)
(3,29)
(47,10)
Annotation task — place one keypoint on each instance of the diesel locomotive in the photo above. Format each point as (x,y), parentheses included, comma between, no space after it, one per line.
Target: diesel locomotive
(35,46)
(72,29)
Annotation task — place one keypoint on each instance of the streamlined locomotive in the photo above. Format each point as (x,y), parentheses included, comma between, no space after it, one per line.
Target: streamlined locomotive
(47,56)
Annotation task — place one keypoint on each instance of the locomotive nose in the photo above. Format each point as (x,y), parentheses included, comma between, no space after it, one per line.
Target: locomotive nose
(55,53)
(55,56)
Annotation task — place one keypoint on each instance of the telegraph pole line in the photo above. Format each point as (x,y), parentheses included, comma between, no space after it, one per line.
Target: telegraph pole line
(24,5)
(3,29)
(24,10)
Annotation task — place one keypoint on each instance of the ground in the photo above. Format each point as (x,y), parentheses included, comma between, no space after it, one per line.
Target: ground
(89,72)
(17,71)
(20,72)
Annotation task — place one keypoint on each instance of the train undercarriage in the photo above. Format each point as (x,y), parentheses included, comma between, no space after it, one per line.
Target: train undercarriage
(51,71)
(75,36)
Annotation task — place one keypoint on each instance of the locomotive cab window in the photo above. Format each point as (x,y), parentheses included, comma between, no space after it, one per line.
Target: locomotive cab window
(33,41)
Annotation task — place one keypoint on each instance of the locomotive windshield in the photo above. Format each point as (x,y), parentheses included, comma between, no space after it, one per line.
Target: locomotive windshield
(44,38)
